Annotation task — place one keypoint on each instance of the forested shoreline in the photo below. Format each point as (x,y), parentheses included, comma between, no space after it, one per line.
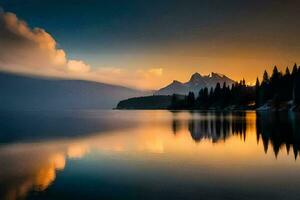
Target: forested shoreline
(280,91)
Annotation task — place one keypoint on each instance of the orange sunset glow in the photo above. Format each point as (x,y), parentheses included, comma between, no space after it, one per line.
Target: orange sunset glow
(149,99)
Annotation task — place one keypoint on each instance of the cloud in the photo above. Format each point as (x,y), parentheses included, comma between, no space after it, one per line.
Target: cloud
(78,66)
(136,78)
(34,51)
(155,71)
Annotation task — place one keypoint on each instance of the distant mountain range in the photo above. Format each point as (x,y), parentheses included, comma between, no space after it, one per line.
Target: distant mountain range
(195,83)
(20,92)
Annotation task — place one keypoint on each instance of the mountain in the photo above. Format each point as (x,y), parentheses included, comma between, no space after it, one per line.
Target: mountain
(20,92)
(196,82)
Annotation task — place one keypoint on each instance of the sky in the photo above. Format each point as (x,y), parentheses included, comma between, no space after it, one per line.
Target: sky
(147,44)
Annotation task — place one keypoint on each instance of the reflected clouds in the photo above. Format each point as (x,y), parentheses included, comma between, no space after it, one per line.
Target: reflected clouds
(233,137)
(33,166)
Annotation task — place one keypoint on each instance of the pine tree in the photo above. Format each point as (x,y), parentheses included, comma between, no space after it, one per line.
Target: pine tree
(210,96)
(191,100)
(217,92)
(205,98)
(286,87)
(287,71)
(174,102)
(274,84)
(199,99)
(257,93)
(294,80)
(266,78)
(297,87)
(295,69)
(265,93)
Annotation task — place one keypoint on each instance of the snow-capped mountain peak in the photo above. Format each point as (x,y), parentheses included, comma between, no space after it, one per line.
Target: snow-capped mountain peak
(196,82)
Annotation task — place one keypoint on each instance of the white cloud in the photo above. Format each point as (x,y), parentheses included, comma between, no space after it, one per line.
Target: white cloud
(78,66)
(34,51)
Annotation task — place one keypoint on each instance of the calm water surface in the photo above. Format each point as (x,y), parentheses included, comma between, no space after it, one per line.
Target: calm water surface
(149,155)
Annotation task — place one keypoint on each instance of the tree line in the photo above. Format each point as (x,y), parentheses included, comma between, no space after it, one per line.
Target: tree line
(275,89)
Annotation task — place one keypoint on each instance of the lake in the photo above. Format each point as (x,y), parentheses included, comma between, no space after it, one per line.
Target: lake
(96,154)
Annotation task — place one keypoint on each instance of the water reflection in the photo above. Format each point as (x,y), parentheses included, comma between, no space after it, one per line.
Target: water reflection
(217,126)
(32,125)
(162,141)
(33,166)
(276,129)
(280,130)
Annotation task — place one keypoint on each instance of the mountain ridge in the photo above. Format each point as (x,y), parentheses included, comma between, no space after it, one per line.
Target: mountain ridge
(195,83)
(24,92)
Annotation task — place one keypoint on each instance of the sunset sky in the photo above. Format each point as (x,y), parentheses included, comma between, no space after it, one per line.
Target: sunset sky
(147,44)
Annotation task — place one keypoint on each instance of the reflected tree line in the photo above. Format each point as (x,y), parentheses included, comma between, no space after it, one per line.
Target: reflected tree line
(215,127)
(281,130)
(274,130)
